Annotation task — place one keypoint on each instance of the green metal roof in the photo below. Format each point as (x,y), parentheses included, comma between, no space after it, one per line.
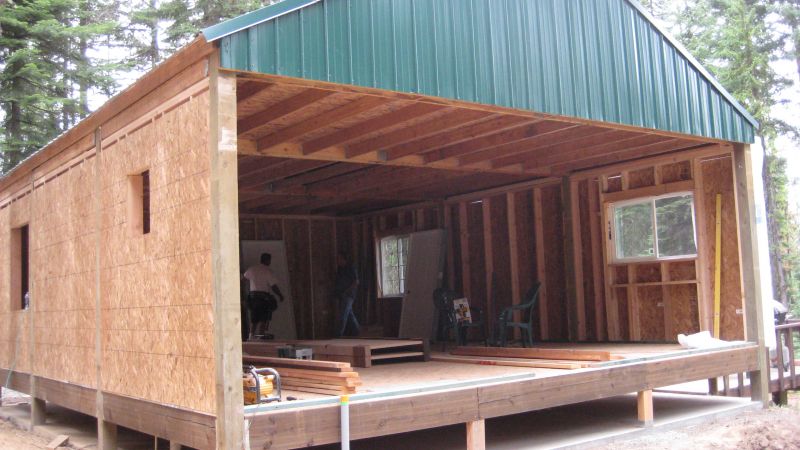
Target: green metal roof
(602,60)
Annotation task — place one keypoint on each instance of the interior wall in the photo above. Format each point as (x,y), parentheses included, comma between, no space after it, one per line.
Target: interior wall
(500,242)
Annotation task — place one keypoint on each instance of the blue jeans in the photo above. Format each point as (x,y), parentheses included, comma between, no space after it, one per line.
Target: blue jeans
(346,307)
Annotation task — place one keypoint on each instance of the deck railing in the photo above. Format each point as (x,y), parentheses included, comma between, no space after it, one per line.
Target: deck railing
(785,336)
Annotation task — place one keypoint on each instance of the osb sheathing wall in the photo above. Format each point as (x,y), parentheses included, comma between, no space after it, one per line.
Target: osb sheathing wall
(155,289)
(14,323)
(500,242)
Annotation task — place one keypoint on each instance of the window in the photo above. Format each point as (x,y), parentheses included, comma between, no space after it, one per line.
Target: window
(394,260)
(653,228)
(139,202)
(20,266)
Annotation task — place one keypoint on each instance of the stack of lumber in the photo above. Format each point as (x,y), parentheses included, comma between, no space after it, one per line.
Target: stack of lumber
(545,358)
(318,377)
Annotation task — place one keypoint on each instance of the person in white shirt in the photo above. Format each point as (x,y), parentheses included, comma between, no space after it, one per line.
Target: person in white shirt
(260,301)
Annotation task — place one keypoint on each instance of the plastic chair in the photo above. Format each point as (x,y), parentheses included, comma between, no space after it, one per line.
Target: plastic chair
(506,319)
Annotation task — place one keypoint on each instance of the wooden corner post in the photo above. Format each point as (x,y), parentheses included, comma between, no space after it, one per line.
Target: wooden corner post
(751,272)
(225,258)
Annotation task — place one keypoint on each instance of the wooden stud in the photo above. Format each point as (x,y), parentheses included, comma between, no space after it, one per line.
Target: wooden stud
(463,220)
(574,258)
(644,405)
(751,269)
(669,323)
(451,257)
(225,259)
(488,257)
(541,273)
(704,299)
(633,305)
(596,237)
(476,435)
(513,252)
(311,280)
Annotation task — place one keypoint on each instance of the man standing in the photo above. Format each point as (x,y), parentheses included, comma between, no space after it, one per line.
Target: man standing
(345,291)
(261,302)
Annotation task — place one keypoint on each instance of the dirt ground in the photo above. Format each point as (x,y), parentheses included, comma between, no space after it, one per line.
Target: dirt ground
(775,428)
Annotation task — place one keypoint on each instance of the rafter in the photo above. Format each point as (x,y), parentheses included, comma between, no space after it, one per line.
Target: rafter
(284,108)
(623,155)
(510,154)
(388,120)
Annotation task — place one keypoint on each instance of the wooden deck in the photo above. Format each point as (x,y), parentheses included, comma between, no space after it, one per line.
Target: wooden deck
(419,395)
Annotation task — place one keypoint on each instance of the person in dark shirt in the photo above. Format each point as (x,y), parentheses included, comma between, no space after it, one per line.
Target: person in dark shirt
(345,290)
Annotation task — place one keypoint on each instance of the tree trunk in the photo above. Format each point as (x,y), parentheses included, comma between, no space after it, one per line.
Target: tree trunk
(779,288)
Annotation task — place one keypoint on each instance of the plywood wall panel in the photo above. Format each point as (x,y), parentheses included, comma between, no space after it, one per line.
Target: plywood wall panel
(685,319)
(651,313)
(156,310)
(718,179)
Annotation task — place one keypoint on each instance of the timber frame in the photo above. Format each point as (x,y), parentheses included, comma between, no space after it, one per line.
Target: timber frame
(238,155)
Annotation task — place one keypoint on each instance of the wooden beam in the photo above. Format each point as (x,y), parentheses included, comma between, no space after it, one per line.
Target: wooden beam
(751,269)
(476,435)
(225,259)
(536,353)
(644,407)
(669,146)
(388,120)
(282,109)
(650,191)
(541,272)
(550,158)
(319,121)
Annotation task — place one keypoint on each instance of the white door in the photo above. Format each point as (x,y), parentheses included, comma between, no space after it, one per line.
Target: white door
(425,267)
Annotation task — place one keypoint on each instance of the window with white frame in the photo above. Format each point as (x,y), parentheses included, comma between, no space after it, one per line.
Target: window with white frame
(653,228)
(394,260)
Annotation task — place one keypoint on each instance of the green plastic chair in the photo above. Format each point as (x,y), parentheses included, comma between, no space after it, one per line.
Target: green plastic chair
(528,307)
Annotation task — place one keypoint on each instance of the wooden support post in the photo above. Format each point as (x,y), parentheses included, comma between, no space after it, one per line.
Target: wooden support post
(634,325)
(38,412)
(713,386)
(225,258)
(644,405)
(488,261)
(476,435)
(451,257)
(513,252)
(106,435)
(464,236)
(541,273)
(751,271)
(175,445)
(704,297)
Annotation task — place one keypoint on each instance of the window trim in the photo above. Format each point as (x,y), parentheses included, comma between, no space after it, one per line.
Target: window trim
(612,230)
(379,255)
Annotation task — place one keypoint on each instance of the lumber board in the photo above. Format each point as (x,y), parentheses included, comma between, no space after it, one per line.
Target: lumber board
(318,374)
(381,356)
(300,363)
(540,364)
(535,353)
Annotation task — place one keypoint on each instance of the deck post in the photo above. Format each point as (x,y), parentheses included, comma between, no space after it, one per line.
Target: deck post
(38,412)
(175,445)
(106,435)
(223,148)
(644,406)
(713,386)
(476,435)
(751,272)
